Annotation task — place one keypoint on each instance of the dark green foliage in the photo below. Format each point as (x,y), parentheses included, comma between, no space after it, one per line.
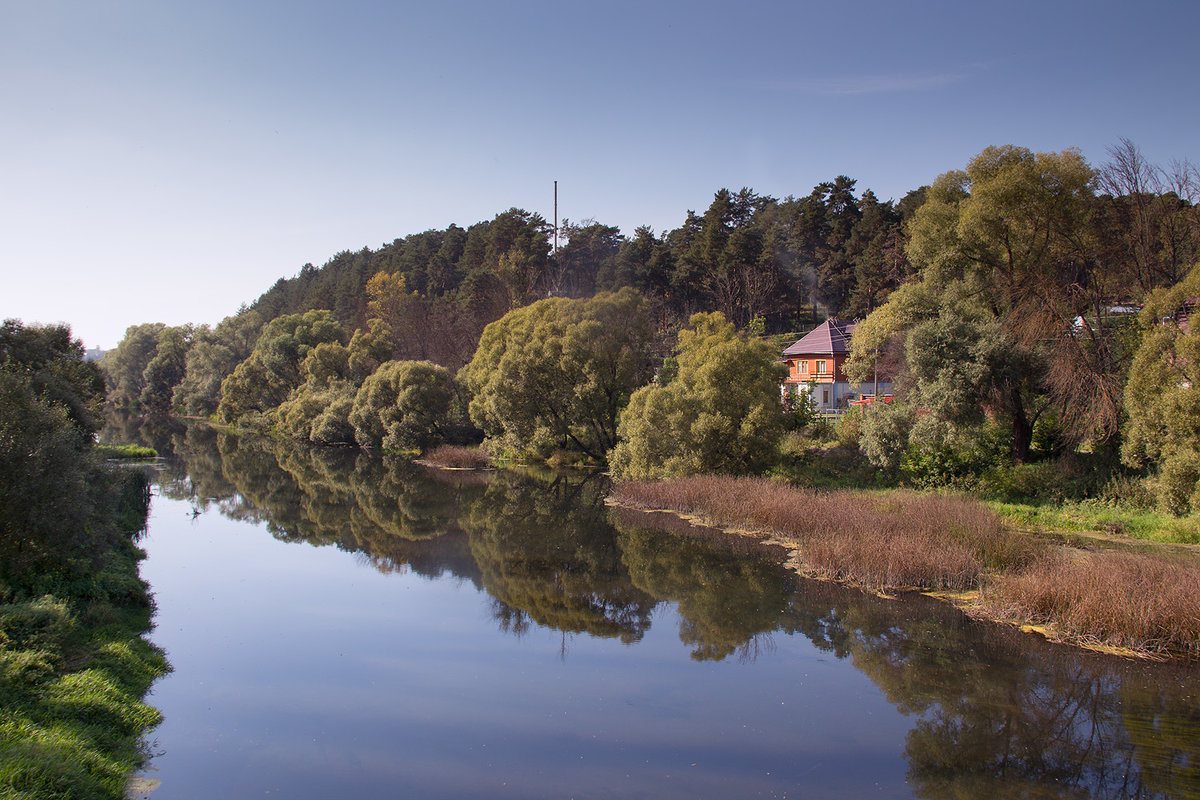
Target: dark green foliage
(52,364)
(72,608)
(125,366)
(165,370)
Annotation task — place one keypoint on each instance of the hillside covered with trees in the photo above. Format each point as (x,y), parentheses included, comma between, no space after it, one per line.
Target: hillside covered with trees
(1002,298)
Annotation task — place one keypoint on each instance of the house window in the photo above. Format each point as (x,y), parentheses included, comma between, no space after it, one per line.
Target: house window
(825,396)
(804,367)
(820,367)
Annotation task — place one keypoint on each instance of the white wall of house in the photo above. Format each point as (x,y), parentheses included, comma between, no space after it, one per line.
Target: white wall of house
(836,396)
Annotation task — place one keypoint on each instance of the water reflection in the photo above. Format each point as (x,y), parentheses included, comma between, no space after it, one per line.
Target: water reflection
(549,555)
(995,712)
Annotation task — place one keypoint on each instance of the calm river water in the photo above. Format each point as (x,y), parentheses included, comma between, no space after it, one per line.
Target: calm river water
(343,627)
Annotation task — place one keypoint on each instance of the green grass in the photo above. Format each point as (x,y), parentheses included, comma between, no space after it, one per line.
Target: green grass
(126,451)
(72,677)
(1092,517)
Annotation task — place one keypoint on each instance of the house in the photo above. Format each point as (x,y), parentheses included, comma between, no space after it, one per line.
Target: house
(815,367)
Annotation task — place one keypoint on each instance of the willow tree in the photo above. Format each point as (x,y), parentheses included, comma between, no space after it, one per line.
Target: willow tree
(556,374)
(719,413)
(1163,396)
(404,405)
(273,370)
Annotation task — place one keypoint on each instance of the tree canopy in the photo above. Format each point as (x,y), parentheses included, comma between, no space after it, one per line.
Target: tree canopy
(720,413)
(556,374)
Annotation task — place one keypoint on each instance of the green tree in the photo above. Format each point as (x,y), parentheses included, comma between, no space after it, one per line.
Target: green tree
(272,371)
(165,370)
(558,372)
(720,413)
(1163,395)
(53,499)
(404,405)
(53,364)
(1009,239)
(214,354)
(319,409)
(125,367)
(587,261)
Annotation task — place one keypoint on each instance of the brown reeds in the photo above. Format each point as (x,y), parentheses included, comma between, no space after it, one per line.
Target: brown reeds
(879,541)
(449,456)
(1145,603)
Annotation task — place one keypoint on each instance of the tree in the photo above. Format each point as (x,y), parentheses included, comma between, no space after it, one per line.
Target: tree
(124,368)
(266,378)
(404,405)
(165,370)
(215,354)
(55,511)
(318,410)
(52,362)
(1009,238)
(558,372)
(721,412)
(587,261)
(1163,395)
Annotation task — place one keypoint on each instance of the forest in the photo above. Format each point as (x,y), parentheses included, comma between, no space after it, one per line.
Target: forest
(1033,310)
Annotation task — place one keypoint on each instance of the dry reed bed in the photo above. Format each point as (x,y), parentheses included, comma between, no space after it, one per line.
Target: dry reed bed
(1143,603)
(896,540)
(902,540)
(450,456)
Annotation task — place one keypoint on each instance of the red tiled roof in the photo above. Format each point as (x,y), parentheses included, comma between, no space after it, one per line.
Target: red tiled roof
(831,337)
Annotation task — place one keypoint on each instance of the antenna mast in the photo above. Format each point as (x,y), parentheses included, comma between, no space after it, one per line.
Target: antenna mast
(556,218)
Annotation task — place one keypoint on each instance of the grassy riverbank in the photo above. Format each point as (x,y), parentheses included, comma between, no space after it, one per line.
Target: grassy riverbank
(74,670)
(886,541)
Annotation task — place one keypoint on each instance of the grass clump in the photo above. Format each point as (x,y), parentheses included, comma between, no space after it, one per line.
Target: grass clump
(125,452)
(450,456)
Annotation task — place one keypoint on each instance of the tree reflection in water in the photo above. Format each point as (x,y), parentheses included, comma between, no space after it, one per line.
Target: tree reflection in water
(996,713)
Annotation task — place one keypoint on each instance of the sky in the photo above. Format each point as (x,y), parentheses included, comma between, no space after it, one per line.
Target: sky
(166,161)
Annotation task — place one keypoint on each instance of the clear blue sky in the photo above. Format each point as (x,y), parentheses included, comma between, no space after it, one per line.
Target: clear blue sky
(168,161)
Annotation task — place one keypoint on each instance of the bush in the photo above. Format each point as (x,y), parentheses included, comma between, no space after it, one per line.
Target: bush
(940,454)
(557,373)
(884,435)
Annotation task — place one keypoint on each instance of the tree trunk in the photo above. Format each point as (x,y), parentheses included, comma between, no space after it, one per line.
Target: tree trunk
(1022,429)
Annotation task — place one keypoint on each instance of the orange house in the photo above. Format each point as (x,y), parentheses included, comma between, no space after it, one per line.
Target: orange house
(815,366)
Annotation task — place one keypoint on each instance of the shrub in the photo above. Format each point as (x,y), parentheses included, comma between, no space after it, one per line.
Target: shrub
(884,435)
(558,372)
(404,405)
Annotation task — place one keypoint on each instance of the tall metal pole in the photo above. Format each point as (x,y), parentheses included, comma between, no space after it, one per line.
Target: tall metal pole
(556,218)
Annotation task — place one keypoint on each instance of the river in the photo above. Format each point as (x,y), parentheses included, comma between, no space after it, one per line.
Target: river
(343,626)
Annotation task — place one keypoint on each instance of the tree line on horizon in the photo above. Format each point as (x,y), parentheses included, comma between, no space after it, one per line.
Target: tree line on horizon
(997,297)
